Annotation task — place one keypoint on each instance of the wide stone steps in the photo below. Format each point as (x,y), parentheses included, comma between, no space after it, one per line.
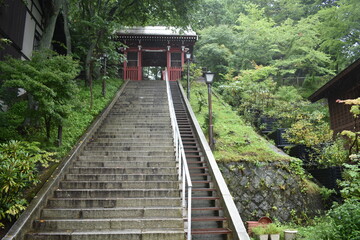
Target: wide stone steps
(121,177)
(154,153)
(125,183)
(119,170)
(118,185)
(128,148)
(110,203)
(128,234)
(127,158)
(118,212)
(130,142)
(108,223)
(135,135)
(130,164)
(119,193)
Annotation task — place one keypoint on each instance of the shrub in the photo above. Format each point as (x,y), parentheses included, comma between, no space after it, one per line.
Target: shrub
(19,163)
(341,222)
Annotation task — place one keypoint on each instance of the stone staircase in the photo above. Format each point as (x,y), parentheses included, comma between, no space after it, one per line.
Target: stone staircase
(125,184)
(208,220)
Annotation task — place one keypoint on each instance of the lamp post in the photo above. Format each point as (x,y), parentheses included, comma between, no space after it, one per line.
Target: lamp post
(188,56)
(104,57)
(209,78)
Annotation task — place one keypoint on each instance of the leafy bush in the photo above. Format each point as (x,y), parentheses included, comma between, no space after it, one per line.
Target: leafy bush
(19,164)
(341,222)
(351,180)
(48,80)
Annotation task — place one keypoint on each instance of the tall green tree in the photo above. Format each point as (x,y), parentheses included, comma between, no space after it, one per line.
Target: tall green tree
(94,21)
(339,27)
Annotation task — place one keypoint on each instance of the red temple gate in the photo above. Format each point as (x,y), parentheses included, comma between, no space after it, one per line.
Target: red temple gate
(155,47)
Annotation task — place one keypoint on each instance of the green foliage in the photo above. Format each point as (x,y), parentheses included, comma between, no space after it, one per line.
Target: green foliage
(351,180)
(19,163)
(236,140)
(310,131)
(82,116)
(259,230)
(341,222)
(334,153)
(11,121)
(251,92)
(48,79)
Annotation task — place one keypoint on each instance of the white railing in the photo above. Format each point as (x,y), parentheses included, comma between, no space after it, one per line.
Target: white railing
(184,174)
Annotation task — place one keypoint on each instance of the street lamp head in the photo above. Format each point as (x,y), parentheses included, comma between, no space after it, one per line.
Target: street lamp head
(209,77)
(105,55)
(188,56)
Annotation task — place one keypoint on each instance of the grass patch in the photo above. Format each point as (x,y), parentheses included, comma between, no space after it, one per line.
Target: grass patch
(235,139)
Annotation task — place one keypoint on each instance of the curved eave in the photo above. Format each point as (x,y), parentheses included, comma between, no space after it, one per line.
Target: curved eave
(157,38)
(335,83)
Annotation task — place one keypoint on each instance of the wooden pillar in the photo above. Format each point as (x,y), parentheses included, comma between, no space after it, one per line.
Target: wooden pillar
(139,63)
(125,66)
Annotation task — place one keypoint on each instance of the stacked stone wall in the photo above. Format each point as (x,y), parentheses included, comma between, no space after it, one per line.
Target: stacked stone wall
(270,189)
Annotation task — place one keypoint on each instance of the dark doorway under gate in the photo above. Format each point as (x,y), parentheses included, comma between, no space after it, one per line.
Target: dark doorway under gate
(153,62)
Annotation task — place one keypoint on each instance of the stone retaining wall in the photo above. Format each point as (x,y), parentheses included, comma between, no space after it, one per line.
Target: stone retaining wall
(269,189)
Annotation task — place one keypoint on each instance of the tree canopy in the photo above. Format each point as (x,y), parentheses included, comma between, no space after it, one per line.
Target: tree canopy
(310,40)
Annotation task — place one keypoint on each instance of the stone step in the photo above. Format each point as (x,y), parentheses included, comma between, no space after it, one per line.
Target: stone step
(119,185)
(121,177)
(110,203)
(135,135)
(115,119)
(140,115)
(128,158)
(101,154)
(108,223)
(131,143)
(119,212)
(105,149)
(134,131)
(141,111)
(132,127)
(124,193)
(119,170)
(130,164)
(128,234)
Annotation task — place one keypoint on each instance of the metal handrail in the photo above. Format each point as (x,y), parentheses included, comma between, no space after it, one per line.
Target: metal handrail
(184,173)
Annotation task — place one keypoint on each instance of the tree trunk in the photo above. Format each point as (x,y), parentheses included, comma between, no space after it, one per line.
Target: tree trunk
(65,14)
(60,133)
(31,107)
(45,42)
(104,79)
(88,70)
(91,85)
(48,127)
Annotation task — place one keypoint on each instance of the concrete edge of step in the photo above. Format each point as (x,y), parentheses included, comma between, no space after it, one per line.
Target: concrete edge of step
(236,224)
(25,221)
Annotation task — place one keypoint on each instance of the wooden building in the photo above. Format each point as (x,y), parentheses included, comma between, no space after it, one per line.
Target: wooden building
(154,48)
(22,23)
(346,85)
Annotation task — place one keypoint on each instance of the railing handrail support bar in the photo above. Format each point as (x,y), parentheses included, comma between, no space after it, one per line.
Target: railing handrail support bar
(184,173)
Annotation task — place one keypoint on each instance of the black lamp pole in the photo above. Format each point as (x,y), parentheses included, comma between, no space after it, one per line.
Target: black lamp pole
(209,78)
